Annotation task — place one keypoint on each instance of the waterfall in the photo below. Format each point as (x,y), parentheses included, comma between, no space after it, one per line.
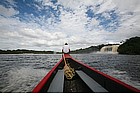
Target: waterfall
(111,48)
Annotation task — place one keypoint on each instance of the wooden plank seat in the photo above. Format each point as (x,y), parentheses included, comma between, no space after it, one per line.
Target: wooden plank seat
(92,84)
(57,82)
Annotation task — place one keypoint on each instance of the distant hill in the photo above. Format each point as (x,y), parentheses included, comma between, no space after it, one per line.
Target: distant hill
(88,50)
(131,46)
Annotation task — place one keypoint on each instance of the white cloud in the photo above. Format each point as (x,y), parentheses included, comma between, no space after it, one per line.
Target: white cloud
(127,5)
(73,22)
(73,4)
(73,27)
(107,5)
(16,34)
(7,12)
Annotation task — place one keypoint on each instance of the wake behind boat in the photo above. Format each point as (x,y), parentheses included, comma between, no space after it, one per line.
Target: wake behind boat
(79,78)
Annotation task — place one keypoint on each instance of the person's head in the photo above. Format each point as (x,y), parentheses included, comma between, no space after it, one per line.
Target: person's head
(66,43)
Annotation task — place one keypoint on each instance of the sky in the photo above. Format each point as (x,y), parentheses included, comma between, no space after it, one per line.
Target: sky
(48,24)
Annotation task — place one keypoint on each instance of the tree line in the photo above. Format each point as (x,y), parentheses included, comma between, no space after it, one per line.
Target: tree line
(130,46)
(22,51)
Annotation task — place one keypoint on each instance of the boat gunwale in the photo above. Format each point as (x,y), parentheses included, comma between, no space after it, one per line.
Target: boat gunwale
(108,76)
(41,84)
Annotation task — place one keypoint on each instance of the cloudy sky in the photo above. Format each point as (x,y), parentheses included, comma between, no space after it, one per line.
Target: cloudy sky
(48,24)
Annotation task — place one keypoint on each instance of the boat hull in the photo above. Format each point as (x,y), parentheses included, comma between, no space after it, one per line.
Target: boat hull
(87,79)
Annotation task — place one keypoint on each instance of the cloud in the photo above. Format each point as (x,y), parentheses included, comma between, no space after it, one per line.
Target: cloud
(47,25)
(7,12)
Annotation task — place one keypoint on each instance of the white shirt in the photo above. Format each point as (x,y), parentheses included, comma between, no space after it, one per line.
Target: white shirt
(66,49)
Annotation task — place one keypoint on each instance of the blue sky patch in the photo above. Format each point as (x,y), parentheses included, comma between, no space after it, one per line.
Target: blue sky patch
(108,20)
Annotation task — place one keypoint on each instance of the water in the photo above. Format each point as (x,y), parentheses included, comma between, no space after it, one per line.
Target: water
(21,73)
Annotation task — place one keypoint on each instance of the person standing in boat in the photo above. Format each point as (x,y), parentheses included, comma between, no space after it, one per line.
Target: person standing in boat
(66,49)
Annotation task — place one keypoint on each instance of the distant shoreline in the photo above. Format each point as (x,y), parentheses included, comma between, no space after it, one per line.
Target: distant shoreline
(25,52)
(78,51)
(130,47)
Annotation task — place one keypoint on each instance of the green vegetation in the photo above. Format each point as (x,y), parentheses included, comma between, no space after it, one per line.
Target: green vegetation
(88,50)
(24,52)
(131,46)
(91,49)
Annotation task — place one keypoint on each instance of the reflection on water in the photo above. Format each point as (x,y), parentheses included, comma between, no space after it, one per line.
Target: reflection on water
(20,73)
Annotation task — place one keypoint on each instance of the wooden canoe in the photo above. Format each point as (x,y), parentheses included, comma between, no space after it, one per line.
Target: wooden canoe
(86,80)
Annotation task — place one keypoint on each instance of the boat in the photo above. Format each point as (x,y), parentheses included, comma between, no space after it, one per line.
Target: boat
(83,79)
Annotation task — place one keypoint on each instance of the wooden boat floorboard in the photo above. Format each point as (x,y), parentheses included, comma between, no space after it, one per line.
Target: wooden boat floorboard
(57,82)
(93,85)
(75,85)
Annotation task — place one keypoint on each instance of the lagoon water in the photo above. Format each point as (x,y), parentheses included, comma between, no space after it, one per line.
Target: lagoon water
(22,72)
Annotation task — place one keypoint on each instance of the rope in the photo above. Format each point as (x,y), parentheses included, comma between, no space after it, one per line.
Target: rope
(68,71)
